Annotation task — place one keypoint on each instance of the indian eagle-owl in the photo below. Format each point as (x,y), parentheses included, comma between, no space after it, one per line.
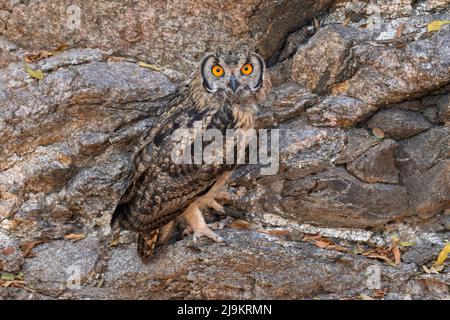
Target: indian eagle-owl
(223,95)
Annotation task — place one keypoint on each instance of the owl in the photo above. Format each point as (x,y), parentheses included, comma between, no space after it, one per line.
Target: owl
(224,94)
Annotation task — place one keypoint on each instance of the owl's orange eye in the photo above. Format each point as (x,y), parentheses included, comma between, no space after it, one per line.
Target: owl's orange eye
(247,69)
(217,70)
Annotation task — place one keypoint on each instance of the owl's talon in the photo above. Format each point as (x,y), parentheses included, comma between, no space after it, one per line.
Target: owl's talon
(207,232)
(223,195)
(216,206)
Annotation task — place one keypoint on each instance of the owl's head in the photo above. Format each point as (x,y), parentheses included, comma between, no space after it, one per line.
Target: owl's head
(238,76)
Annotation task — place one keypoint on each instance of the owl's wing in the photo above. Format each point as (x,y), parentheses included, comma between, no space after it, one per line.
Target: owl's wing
(157,188)
(137,166)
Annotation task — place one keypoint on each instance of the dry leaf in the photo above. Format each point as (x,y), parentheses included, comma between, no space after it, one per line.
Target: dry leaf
(443,255)
(8,251)
(13,283)
(75,236)
(381,253)
(399,31)
(397,255)
(309,237)
(378,133)
(379,294)
(316,24)
(65,159)
(346,22)
(117,59)
(114,242)
(240,224)
(324,243)
(27,247)
(425,269)
(36,74)
(406,243)
(33,57)
(274,232)
(438,268)
(364,296)
(340,88)
(8,276)
(100,283)
(149,66)
(62,47)
(437,25)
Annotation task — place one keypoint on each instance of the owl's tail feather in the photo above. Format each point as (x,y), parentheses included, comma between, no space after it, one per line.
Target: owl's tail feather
(146,244)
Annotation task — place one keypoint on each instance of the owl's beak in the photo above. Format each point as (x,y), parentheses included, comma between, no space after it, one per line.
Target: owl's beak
(233,84)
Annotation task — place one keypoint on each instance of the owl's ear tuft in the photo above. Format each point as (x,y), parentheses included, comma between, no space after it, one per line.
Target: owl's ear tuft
(262,69)
(204,69)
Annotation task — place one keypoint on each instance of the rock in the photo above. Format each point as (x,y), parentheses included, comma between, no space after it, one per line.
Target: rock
(322,62)
(280,73)
(175,33)
(357,141)
(8,53)
(425,150)
(424,169)
(443,105)
(62,265)
(388,75)
(432,5)
(293,41)
(399,124)
(68,149)
(11,257)
(337,59)
(432,114)
(421,254)
(250,265)
(317,193)
(368,14)
(377,164)
(337,199)
(445,220)
(339,111)
(285,102)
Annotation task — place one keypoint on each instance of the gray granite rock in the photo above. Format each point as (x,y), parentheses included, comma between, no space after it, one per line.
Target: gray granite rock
(377,164)
(398,123)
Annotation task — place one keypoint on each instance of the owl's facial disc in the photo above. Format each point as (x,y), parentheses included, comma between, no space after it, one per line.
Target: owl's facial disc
(234,76)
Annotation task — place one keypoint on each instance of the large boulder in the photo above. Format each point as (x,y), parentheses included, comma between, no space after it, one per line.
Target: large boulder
(65,140)
(250,265)
(173,33)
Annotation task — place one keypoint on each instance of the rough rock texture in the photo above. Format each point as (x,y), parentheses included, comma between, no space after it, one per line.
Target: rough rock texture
(66,141)
(250,265)
(175,32)
(377,164)
(399,124)
(321,62)
(339,111)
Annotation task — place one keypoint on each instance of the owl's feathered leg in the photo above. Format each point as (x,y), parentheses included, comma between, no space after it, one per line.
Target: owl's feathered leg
(217,191)
(165,232)
(146,244)
(197,224)
(148,241)
(194,217)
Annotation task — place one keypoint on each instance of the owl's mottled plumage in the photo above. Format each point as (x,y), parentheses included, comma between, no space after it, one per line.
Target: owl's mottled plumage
(160,190)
